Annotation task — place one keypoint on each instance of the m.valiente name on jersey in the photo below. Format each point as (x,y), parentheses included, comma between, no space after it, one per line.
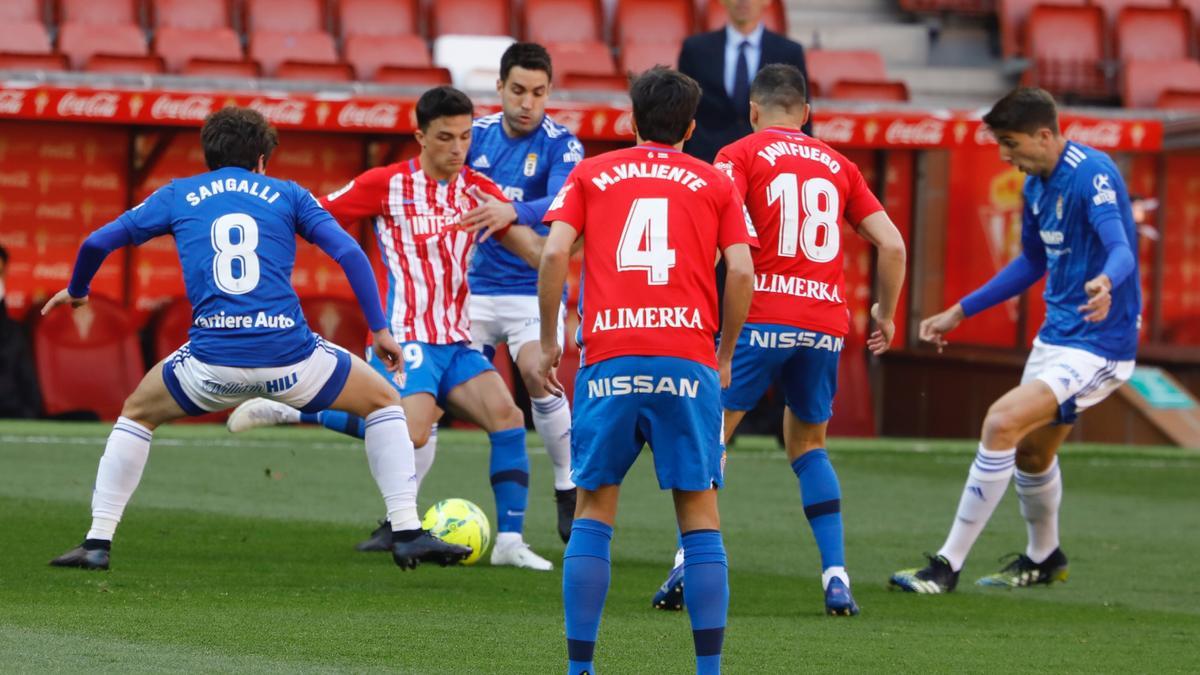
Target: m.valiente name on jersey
(647,317)
(621,172)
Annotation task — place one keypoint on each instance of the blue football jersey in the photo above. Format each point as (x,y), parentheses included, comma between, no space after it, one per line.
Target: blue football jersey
(236,235)
(1060,212)
(530,170)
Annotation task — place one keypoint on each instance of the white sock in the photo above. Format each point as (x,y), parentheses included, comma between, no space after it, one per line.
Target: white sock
(506,539)
(118,476)
(1040,495)
(424,456)
(390,456)
(832,573)
(552,419)
(986,483)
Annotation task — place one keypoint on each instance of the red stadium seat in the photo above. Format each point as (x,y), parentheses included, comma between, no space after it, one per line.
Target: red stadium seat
(1066,47)
(1013,15)
(581,82)
(19,11)
(956,6)
(87,359)
(827,66)
(1143,82)
(581,58)
(80,41)
(222,68)
(1112,8)
(470,17)
(47,62)
(25,37)
(546,21)
(177,46)
(378,17)
(111,63)
(190,14)
(315,71)
(368,52)
(1153,34)
(285,16)
(869,90)
(338,320)
(775,18)
(640,57)
(1180,99)
(99,11)
(412,76)
(272,49)
(653,21)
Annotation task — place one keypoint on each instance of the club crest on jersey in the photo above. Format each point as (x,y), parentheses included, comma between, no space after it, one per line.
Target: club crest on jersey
(1105,194)
(531,164)
(481,162)
(1058,208)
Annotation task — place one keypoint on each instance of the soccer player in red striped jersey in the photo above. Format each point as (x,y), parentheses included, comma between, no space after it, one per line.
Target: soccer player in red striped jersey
(797,190)
(652,221)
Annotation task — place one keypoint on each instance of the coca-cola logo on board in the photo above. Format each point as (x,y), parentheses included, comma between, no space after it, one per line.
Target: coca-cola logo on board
(923,132)
(100,104)
(377,116)
(11,102)
(1098,134)
(191,108)
(286,111)
(623,126)
(834,130)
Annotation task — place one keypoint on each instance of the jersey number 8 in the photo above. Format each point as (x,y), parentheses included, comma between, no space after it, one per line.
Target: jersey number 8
(821,211)
(245,278)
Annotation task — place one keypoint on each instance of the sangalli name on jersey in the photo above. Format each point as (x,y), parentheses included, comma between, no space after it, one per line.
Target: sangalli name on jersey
(675,174)
(216,187)
(647,317)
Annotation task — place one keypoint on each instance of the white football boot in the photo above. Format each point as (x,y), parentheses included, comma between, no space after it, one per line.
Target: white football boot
(518,554)
(261,412)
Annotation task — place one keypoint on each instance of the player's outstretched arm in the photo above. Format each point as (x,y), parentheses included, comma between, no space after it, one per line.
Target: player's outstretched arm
(491,216)
(92,253)
(552,274)
(739,288)
(525,243)
(879,229)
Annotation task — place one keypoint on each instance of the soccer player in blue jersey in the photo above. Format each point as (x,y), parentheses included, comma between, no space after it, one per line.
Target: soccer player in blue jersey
(235,230)
(1078,230)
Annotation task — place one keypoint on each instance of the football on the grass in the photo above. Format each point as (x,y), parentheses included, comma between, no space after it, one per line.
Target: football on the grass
(458,521)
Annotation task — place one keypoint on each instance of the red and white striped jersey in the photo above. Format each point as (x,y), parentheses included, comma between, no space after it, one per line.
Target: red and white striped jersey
(425,253)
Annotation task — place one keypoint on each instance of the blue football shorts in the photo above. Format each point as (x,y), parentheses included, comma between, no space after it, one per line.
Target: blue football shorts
(432,369)
(673,404)
(806,360)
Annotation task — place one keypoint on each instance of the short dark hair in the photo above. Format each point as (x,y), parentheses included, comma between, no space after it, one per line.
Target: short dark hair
(1025,110)
(528,55)
(779,85)
(235,136)
(664,104)
(443,101)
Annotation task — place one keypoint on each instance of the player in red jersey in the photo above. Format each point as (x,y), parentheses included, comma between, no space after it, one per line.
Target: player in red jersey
(797,190)
(417,206)
(652,222)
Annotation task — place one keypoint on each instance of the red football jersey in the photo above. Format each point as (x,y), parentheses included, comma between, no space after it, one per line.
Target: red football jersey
(797,190)
(426,255)
(653,221)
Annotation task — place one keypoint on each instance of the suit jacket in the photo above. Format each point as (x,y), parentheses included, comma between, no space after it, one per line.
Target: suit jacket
(717,122)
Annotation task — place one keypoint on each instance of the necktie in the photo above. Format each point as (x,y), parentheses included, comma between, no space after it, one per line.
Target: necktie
(741,83)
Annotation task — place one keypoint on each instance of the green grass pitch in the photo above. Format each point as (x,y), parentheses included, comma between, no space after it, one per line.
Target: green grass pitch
(236,555)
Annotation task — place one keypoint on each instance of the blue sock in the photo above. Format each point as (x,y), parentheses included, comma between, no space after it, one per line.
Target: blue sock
(822,499)
(586,572)
(341,422)
(510,478)
(706,595)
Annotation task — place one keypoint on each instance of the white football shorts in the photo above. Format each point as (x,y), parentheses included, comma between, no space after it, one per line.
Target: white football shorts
(1078,378)
(514,319)
(311,385)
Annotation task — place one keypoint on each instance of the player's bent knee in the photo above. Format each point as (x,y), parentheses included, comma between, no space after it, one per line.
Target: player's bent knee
(1001,423)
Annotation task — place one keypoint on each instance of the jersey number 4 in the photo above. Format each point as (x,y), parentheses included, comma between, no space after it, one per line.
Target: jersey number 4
(235,266)
(644,244)
(819,235)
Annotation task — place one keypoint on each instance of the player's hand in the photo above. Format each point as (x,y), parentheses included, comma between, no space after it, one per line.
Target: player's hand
(548,369)
(885,329)
(1099,292)
(934,328)
(491,216)
(62,298)
(388,351)
(724,364)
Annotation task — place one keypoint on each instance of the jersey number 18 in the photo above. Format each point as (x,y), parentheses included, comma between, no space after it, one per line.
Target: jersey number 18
(819,200)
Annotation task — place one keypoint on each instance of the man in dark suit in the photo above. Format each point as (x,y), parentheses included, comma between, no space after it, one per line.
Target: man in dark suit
(724,62)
